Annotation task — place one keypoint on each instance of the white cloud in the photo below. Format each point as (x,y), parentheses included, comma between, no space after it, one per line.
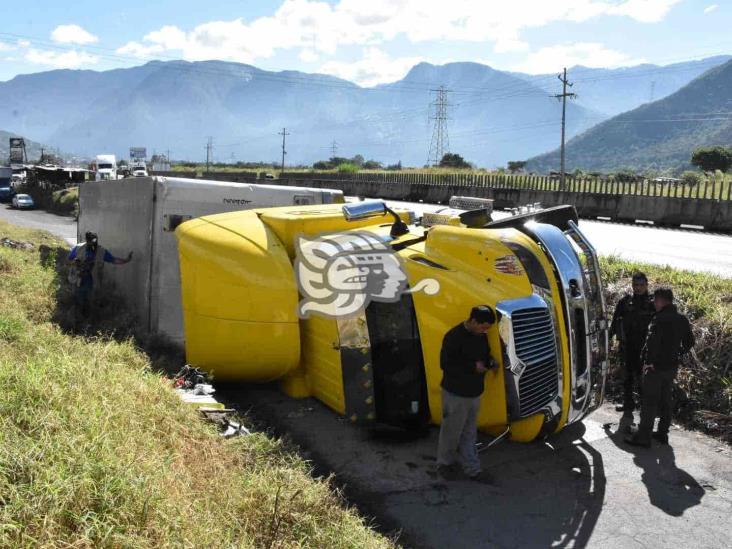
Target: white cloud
(711,8)
(24,43)
(322,28)
(6,47)
(589,54)
(72,34)
(61,60)
(140,51)
(308,55)
(645,11)
(375,67)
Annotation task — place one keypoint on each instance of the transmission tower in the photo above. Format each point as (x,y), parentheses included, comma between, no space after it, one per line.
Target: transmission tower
(440,143)
(334,149)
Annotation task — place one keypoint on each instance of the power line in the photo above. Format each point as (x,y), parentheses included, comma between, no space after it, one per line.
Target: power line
(563,96)
(440,139)
(284,133)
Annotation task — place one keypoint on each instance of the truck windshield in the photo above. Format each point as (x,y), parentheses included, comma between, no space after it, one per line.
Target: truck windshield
(105,166)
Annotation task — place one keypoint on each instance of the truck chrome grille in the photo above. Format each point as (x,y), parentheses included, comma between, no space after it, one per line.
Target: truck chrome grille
(535,346)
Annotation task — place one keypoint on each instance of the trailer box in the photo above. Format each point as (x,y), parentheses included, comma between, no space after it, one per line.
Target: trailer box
(140,215)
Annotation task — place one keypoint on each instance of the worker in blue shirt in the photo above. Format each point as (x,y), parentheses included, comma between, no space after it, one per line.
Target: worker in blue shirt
(87,262)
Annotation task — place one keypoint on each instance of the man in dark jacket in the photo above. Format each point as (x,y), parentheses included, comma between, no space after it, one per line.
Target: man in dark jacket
(630,326)
(465,358)
(669,337)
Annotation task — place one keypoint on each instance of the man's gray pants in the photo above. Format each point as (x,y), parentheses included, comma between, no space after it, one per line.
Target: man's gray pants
(458,432)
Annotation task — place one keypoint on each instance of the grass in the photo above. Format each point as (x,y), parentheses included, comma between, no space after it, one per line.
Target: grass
(65,201)
(707,300)
(97,451)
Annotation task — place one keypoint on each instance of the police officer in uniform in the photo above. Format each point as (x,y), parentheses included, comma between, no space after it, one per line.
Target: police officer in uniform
(630,323)
(669,338)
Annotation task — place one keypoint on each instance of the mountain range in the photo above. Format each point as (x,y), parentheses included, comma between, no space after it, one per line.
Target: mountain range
(655,136)
(613,91)
(491,116)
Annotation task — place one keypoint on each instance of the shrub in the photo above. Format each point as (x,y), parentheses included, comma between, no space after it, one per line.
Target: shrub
(692,179)
(347,167)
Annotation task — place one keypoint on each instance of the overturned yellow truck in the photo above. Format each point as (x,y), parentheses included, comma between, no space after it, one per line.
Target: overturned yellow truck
(349,304)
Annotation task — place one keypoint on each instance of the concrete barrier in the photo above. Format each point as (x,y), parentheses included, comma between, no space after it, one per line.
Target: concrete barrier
(713,215)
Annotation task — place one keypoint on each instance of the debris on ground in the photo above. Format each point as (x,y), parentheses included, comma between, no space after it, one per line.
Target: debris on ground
(191,385)
(16,244)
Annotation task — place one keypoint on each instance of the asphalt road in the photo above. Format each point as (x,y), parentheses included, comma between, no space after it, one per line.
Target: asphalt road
(583,487)
(59,225)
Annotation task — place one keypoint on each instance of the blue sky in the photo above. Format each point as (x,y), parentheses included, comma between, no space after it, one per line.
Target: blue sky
(365,41)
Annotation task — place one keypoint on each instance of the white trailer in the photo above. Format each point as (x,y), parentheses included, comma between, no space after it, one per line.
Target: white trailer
(140,214)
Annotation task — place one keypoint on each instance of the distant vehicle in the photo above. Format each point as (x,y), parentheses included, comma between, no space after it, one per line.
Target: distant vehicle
(106,167)
(23,202)
(139,170)
(6,190)
(269,176)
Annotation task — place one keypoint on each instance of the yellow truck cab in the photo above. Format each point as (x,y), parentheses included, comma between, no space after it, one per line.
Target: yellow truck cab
(268,294)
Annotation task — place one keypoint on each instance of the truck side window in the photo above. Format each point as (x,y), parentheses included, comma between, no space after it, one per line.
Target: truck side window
(302,200)
(171,221)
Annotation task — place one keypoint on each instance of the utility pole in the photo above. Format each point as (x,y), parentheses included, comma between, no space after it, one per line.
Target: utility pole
(563,96)
(209,152)
(440,143)
(284,133)
(333,149)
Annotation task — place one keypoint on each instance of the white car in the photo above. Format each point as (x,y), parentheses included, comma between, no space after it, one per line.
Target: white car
(139,172)
(22,201)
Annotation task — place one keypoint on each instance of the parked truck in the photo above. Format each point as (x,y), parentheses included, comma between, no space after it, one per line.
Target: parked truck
(140,214)
(6,187)
(106,167)
(243,291)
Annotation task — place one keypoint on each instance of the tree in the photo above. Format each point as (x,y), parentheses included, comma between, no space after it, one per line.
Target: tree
(372,165)
(516,165)
(453,160)
(712,158)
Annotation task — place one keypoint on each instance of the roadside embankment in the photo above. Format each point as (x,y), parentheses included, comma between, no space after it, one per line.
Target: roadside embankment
(97,450)
(704,383)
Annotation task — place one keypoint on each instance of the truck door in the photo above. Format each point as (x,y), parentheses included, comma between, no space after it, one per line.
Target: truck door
(400,389)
